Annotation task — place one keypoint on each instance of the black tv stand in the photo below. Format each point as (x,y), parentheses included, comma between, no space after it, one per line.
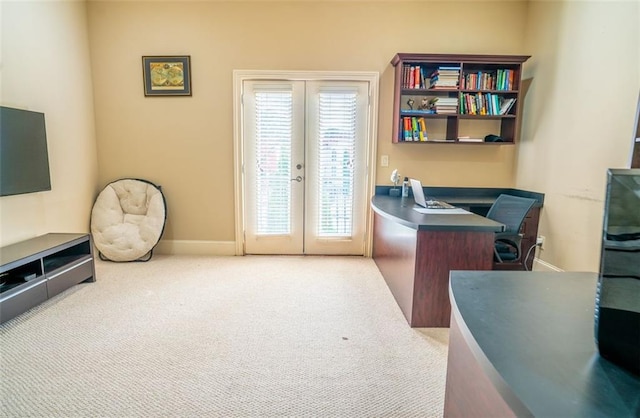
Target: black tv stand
(39,268)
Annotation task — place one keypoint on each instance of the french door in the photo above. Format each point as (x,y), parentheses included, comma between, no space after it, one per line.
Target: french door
(305,166)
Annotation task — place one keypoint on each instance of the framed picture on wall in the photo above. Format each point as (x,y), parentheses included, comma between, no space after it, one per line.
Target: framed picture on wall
(167,75)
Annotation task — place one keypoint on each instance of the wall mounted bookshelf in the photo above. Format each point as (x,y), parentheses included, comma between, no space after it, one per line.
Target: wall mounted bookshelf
(457,98)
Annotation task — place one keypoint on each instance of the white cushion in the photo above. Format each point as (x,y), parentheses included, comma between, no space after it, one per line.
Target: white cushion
(127,219)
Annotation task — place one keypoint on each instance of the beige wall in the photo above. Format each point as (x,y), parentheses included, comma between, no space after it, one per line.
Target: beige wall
(579,120)
(578,116)
(45,68)
(185,144)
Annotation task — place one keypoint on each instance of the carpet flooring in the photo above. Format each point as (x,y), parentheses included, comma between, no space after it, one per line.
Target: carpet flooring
(194,336)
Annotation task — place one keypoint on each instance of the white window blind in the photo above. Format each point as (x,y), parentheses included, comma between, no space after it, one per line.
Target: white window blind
(273,162)
(336,153)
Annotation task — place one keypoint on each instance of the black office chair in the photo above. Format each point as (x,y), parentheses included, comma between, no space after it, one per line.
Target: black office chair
(510,211)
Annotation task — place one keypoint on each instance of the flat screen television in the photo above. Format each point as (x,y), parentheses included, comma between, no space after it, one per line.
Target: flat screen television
(617,316)
(24,160)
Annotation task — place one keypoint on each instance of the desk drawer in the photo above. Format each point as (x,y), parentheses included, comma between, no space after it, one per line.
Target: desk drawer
(63,278)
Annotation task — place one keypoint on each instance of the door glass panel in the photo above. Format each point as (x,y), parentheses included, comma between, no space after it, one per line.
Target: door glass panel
(336,153)
(273,162)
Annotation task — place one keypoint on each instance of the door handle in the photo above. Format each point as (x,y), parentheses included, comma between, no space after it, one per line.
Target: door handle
(298,179)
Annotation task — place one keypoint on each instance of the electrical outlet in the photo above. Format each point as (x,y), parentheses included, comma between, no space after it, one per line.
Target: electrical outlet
(540,241)
(384,161)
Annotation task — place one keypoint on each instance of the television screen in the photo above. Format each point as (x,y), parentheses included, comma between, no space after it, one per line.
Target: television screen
(24,161)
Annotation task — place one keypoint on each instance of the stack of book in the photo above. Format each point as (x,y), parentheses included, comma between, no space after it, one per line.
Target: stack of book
(446,105)
(415,129)
(445,77)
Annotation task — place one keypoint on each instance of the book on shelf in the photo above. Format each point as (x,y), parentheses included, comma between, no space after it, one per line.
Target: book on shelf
(414,129)
(506,105)
(436,83)
(505,79)
(445,77)
(484,104)
(418,111)
(406,129)
(470,107)
(405,76)
(469,139)
(495,104)
(413,77)
(423,129)
(446,105)
(408,76)
(500,79)
(479,80)
(462,105)
(451,68)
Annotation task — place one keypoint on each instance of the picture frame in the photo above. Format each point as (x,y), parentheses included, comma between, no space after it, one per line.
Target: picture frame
(166,75)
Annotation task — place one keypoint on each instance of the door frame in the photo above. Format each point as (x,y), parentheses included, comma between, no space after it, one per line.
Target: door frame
(239,76)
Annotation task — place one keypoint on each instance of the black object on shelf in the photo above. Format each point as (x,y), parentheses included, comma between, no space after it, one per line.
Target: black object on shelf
(493,138)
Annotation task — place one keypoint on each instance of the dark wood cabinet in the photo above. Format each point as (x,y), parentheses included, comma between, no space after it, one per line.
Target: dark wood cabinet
(416,263)
(457,98)
(416,252)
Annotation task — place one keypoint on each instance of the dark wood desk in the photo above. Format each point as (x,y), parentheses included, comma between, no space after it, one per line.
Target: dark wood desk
(415,253)
(522,344)
(478,200)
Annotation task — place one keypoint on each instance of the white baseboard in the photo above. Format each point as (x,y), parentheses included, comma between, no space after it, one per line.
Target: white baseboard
(541,265)
(192,247)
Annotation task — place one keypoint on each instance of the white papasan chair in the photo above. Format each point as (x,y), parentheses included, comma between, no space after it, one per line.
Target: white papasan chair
(128,219)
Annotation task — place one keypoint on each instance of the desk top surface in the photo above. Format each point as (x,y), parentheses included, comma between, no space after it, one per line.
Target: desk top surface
(533,333)
(401,210)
